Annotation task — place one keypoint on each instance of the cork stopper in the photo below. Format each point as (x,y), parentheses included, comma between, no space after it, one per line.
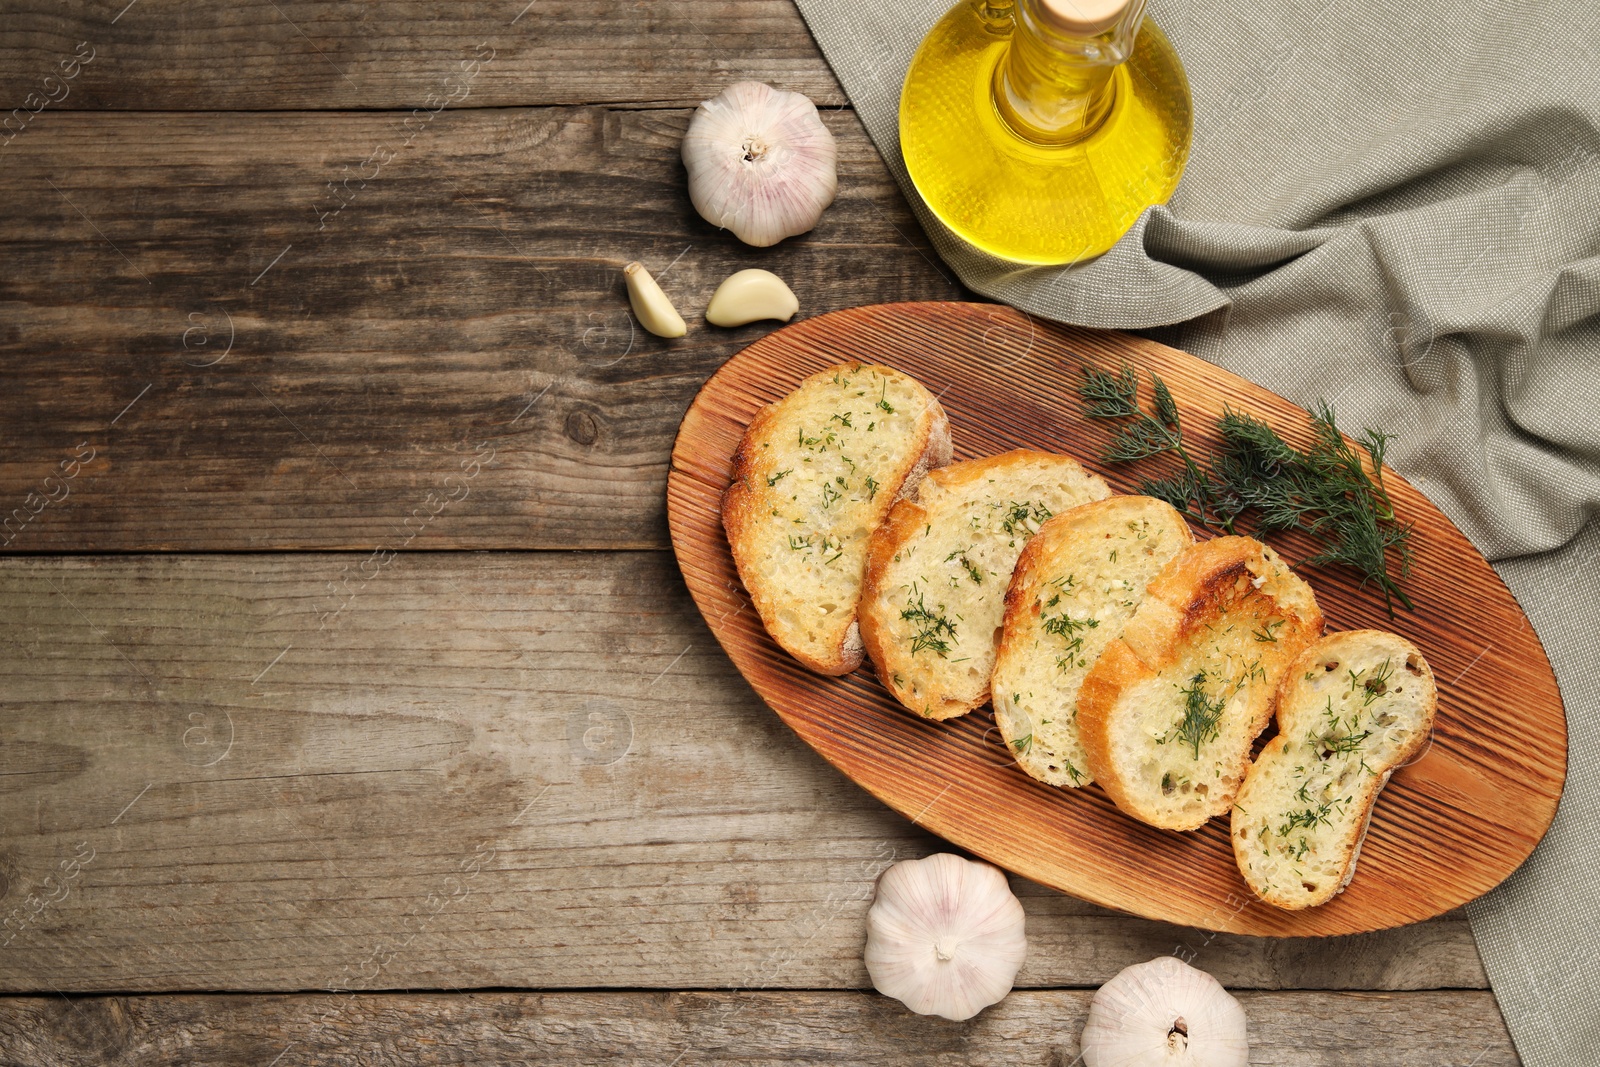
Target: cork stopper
(1083,18)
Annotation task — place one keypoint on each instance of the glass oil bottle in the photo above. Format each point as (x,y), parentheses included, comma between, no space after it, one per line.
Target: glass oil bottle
(1039,130)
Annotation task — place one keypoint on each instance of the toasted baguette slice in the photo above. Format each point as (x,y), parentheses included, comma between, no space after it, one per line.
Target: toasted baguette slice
(1075,587)
(814,476)
(1352,708)
(937,572)
(1170,711)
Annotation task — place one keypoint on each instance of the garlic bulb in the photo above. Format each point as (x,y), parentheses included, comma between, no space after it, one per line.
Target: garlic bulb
(944,936)
(1164,1014)
(750,296)
(760,163)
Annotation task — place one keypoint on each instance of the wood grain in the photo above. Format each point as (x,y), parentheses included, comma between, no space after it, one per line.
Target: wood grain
(210,55)
(390,724)
(1448,828)
(469,291)
(1312,1029)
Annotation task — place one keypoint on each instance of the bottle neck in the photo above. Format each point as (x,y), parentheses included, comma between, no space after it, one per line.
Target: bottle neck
(1054,84)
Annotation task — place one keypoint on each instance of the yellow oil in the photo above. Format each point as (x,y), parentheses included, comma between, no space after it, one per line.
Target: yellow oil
(1013,196)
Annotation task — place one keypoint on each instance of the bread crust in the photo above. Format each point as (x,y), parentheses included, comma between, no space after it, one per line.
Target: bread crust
(1117,670)
(1294,705)
(1185,599)
(745,501)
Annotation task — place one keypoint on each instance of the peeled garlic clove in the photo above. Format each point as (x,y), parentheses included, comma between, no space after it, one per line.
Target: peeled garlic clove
(749,296)
(945,936)
(1165,1014)
(760,163)
(650,305)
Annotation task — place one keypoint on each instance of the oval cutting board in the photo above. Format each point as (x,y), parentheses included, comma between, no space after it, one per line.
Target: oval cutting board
(1448,828)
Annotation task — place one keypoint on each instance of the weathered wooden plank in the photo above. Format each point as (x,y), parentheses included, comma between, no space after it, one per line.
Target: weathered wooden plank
(1309,1029)
(231,355)
(322,54)
(274,772)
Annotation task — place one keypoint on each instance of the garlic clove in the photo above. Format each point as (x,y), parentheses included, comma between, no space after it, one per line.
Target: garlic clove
(760,163)
(749,296)
(1165,1014)
(945,936)
(650,305)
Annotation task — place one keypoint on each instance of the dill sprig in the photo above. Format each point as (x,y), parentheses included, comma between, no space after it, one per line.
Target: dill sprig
(1201,716)
(1307,819)
(1069,630)
(1378,684)
(1329,490)
(1116,396)
(932,627)
(1026,516)
(1338,738)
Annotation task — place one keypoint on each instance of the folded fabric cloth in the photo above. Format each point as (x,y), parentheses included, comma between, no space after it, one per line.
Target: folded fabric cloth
(1393,208)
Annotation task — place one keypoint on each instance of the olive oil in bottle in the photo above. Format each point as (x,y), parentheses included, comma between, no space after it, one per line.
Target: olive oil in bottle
(1039,130)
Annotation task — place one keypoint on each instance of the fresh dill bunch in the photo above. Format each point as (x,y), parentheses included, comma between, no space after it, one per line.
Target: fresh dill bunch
(1109,396)
(1329,490)
(1264,472)
(1194,492)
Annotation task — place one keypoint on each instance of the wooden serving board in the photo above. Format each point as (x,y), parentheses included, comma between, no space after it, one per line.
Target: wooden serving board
(1448,828)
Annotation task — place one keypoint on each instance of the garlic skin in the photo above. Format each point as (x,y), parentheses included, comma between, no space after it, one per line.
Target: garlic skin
(760,163)
(945,936)
(1165,1013)
(650,305)
(750,296)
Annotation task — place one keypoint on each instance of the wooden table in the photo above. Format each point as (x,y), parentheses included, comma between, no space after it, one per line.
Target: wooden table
(352,709)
